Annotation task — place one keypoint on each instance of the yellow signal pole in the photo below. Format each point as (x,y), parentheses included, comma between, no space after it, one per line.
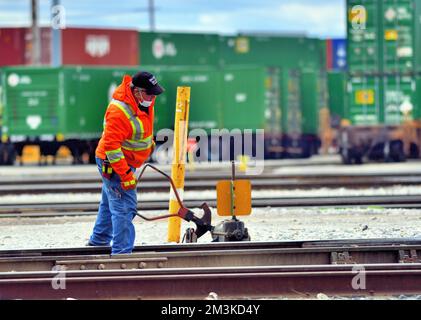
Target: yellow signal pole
(179,159)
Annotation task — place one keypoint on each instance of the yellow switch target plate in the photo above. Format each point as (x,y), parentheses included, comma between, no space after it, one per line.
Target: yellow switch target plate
(242,197)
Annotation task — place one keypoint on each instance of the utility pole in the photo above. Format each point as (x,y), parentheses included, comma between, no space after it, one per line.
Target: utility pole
(151,15)
(36,38)
(57,24)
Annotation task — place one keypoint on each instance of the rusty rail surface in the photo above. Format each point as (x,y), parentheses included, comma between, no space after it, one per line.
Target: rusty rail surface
(271,182)
(310,255)
(90,208)
(233,270)
(191,247)
(227,282)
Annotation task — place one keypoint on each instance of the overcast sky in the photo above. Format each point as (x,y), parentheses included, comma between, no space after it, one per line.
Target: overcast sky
(320,18)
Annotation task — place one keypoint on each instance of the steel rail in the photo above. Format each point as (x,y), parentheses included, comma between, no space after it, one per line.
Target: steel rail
(11,210)
(258,184)
(212,175)
(214,246)
(308,255)
(227,282)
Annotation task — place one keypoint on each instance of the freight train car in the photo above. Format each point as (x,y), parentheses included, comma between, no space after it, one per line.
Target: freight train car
(294,61)
(54,107)
(381,104)
(51,107)
(224,103)
(303,95)
(381,118)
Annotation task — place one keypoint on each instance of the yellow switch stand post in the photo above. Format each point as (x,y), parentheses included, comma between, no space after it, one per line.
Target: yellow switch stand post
(179,159)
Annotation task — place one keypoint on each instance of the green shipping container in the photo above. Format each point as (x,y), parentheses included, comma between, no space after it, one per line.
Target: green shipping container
(205,96)
(291,102)
(176,49)
(336,83)
(364,100)
(244,98)
(68,102)
(384,36)
(363,23)
(273,101)
(274,51)
(401,99)
(34,98)
(228,98)
(401,27)
(313,98)
(388,100)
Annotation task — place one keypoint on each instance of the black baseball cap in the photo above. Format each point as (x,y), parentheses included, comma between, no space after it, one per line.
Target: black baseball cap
(147,81)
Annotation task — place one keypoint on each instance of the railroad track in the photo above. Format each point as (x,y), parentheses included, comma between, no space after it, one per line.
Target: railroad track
(90,208)
(258,183)
(61,178)
(233,270)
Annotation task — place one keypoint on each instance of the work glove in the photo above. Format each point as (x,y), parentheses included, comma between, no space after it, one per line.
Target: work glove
(128,181)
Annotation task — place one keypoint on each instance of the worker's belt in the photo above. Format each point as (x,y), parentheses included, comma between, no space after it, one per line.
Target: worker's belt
(107,170)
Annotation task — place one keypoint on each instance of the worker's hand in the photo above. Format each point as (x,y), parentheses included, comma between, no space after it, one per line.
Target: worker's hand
(128,181)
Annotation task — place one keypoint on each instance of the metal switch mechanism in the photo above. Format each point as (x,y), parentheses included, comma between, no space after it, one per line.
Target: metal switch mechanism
(233,198)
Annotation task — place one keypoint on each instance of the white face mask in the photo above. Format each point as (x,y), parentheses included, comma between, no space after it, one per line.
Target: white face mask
(146,104)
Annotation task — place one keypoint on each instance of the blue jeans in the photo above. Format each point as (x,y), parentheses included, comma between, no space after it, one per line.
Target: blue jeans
(115,214)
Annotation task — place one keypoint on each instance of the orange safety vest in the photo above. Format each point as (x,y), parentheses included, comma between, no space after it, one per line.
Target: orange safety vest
(127,139)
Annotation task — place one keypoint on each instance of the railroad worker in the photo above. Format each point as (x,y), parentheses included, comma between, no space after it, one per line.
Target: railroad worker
(126,143)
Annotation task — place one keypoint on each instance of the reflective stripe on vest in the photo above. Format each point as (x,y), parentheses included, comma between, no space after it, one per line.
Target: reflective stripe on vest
(137,143)
(135,122)
(114,155)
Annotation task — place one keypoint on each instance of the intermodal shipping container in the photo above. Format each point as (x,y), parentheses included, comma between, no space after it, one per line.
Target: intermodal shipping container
(401,31)
(177,49)
(336,54)
(291,102)
(273,101)
(336,88)
(12,46)
(363,23)
(243,93)
(400,99)
(272,51)
(100,47)
(45,54)
(228,98)
(384,36)
(205,97)
(80,46)
(58,103)
(389,100)
(364,100)
(313,98)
